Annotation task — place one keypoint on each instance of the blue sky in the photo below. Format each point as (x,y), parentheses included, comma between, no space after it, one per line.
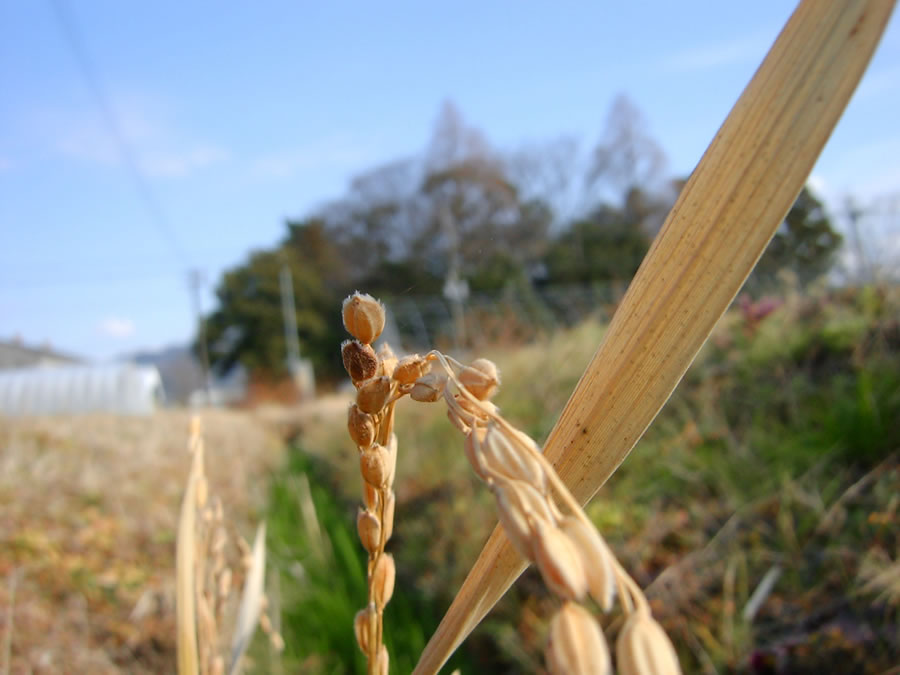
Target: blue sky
(241,115)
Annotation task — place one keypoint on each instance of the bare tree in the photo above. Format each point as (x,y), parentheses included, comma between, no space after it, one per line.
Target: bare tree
(375,220)
(874,229)
(626,156)
(453,142)
(546,173)
(470,197)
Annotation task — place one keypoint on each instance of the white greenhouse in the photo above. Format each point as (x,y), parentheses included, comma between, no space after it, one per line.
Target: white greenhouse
(122,388)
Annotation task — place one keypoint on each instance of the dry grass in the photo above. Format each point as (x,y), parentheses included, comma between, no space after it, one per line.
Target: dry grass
(90,506)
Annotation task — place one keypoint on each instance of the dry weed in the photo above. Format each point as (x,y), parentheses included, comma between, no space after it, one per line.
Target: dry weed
(208,558)
(90,508)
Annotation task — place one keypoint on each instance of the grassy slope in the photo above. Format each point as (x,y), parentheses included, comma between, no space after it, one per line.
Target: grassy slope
(776,455)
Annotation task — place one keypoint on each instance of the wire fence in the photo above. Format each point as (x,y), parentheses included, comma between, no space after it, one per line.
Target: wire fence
(514,314)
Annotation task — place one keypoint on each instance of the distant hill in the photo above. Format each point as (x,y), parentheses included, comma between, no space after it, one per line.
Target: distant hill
(15,354)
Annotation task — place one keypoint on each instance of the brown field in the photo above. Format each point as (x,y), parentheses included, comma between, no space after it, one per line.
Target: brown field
(87,535)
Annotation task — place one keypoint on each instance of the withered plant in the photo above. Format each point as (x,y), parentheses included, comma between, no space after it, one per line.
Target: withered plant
(213,563)
(726,214)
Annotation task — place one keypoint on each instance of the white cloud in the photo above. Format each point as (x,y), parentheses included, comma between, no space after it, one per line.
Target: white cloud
(86,141)
(878,183)
(742,50)
(817,184)
(338,151)
(117,327)
(178,164)
(864,170)
(159,147)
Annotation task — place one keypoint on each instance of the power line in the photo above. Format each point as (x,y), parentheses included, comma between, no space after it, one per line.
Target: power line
(36,283)
(129,159)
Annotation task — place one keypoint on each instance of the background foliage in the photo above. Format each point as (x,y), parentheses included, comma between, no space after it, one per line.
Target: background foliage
(777,455)
(544,217)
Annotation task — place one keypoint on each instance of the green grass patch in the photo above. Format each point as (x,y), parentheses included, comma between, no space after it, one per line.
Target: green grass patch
(314,548)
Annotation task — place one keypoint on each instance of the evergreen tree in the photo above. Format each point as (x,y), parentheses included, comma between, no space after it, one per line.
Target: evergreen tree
(806,243)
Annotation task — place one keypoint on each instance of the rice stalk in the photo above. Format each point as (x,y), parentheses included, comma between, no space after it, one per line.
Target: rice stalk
(251,601)
(567,549)
(734,201)
(370,423)
(186,546)
(206,561)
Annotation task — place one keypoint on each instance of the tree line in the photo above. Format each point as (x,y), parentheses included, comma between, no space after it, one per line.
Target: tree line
(463,214)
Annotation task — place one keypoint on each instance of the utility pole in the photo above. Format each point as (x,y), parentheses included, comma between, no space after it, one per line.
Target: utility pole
(195,282)
(456,290)
(300,369)
(854,215)
(290,318)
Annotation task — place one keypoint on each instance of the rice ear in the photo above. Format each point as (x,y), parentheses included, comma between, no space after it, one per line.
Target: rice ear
(734,201)
(251,600)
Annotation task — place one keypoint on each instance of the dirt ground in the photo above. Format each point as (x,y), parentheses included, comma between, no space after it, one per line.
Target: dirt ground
(89,508)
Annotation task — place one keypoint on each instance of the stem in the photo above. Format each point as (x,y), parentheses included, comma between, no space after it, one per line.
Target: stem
(372,655)
(376,628)
(381,500)
(387,424)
